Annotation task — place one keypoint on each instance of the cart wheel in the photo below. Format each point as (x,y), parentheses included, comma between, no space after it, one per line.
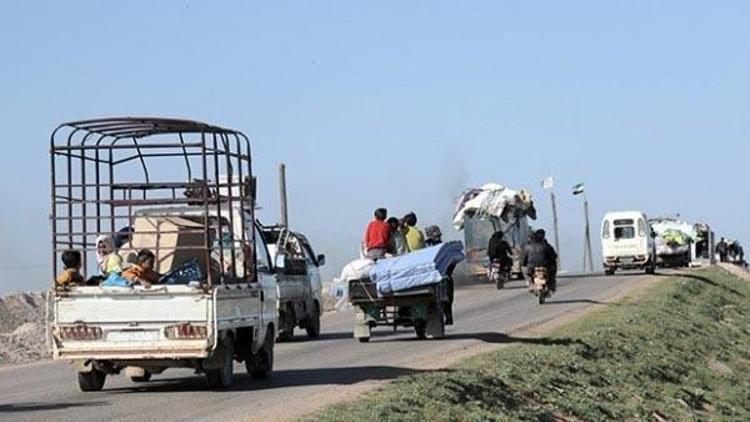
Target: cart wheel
(420,327)
(436,322)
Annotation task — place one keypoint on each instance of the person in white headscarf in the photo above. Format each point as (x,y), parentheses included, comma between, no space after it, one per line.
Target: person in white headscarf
(107,258)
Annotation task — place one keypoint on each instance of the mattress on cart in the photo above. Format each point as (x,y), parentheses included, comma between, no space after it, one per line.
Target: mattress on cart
(416,269)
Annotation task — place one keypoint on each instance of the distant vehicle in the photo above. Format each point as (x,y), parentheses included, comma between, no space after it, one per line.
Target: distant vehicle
(674,240)
(627,242)
(216,301)
(300,288)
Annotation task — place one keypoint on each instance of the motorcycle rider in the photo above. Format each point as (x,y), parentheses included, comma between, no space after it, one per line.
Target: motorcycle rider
(539,253)
(499,250)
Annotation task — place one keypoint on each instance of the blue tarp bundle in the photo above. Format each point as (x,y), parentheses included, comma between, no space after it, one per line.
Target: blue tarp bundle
(421,268)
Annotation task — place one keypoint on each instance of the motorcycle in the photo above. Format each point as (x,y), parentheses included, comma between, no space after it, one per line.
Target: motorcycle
(540,284)
(498,273)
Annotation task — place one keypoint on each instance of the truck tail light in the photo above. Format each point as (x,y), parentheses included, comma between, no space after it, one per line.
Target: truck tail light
(186,331)
(80,332)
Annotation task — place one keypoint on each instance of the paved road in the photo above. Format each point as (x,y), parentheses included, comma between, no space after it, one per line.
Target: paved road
(307,374)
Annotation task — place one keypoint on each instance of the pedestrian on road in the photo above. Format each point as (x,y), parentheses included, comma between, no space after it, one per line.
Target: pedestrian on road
(377,235)
(722,249)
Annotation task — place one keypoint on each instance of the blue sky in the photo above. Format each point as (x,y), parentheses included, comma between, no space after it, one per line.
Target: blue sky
(399,104)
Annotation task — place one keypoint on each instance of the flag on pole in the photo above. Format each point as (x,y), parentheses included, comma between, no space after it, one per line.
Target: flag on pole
(548,183)
(578,189)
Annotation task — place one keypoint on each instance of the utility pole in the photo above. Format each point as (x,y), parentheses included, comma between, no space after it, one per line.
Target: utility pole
(587,249)
(556,227)
(588,262)
(549,183)
(282,194)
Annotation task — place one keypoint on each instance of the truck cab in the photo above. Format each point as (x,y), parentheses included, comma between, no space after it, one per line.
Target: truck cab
(300,287)
(215,300)
(627,242)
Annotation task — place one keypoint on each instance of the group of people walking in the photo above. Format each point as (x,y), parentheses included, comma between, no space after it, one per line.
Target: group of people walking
(392,236)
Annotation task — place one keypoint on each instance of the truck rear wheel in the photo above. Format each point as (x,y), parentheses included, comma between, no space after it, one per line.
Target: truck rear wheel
(92,380)
(223,377)
(420,327)
(146,377)
(313,324)
(261,364)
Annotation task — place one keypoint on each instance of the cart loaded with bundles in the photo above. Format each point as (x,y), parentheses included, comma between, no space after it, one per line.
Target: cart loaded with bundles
(411,290)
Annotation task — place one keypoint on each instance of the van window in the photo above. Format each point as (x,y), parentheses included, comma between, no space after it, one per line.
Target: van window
(641,228)
(624,222)
(624,232)
(605,229)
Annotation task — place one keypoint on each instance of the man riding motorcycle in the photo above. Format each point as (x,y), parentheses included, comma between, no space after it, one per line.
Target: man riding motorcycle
(539,253)
(499,250)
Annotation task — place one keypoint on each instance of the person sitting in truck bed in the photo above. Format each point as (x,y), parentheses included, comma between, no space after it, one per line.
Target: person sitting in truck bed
(378,235)
(107,258)
(142,272)
(71,274)
(414,236)
(397,244)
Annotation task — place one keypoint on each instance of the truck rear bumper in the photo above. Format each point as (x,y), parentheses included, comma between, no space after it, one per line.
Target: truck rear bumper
(189,349)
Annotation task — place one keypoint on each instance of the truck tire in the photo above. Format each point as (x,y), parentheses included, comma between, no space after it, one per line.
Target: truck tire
(142,378)
(609,271)
(223,377)
(286,335)
(260,364)
(92,380)
(651,268)
(313,324)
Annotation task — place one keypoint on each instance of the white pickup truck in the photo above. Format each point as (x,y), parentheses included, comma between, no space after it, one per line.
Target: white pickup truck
(300,288)
(216,302)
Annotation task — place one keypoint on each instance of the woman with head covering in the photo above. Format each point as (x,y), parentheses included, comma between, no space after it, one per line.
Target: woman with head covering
(107,258)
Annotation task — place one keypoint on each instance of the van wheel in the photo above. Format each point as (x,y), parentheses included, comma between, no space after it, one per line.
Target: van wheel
(146,377)
(92,380)
(223,377)
(261,364)
(651,269)
(609,271)
(313,324)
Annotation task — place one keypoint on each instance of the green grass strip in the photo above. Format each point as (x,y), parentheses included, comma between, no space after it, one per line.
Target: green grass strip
(678,351)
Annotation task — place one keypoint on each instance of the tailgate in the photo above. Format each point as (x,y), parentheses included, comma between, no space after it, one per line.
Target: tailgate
(112,323)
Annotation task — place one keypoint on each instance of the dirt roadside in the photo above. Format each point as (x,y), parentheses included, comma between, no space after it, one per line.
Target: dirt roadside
(344,393)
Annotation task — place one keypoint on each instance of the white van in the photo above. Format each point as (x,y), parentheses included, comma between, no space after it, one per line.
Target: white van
(627,242)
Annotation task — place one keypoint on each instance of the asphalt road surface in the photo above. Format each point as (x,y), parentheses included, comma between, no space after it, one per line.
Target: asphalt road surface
(308,374)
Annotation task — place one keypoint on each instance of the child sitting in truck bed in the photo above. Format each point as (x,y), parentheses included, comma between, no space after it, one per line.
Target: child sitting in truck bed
(142,272)
(71,274)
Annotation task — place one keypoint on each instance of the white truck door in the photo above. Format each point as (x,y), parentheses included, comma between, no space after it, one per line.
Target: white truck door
(266,278)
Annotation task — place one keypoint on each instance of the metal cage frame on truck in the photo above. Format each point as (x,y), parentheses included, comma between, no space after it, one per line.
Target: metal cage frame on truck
(88,157)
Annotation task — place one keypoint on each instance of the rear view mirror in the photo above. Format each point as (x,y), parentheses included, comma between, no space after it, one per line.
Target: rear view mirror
(321,260)
(280,261)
